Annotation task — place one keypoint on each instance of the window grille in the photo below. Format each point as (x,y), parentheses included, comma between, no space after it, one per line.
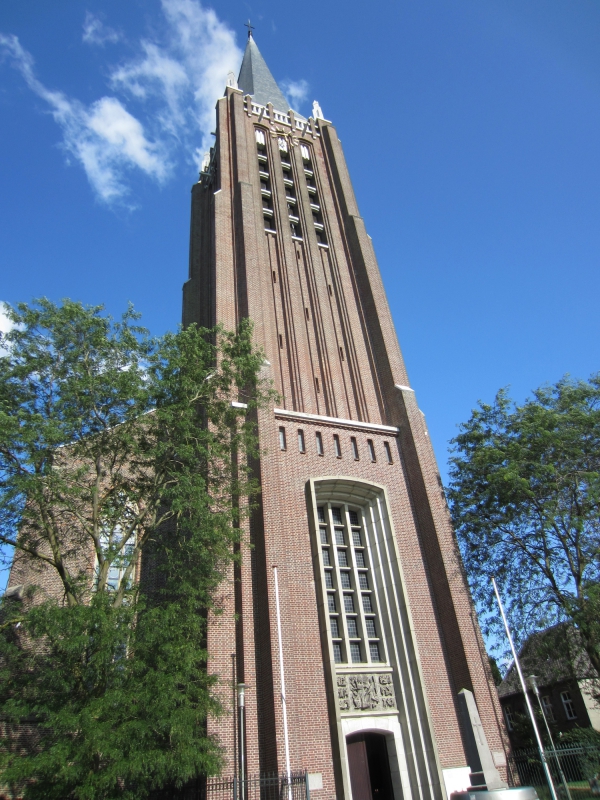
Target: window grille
(548,709)
(568,705)
(349,573)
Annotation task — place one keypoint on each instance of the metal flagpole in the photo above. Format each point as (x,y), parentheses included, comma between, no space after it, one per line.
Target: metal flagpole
(527,700)
(533,683)
(282,676)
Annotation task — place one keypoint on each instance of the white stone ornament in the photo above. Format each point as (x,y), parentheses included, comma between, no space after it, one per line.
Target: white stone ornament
(317,112)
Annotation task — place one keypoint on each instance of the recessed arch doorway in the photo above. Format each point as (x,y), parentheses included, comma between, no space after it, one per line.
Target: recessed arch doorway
(369,766)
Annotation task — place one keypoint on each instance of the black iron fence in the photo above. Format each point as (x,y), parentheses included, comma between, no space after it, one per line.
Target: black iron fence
(575,771)
(270,786)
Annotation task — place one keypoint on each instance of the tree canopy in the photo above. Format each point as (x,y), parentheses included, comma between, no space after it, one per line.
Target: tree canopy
(123,480)
(525,500)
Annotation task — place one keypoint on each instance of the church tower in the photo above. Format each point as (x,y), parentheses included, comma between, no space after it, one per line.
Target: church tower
(377,629)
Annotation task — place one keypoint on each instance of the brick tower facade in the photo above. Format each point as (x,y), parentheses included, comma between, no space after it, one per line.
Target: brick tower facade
(378,631)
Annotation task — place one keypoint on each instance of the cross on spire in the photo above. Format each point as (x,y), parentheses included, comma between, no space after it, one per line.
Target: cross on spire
(250,28)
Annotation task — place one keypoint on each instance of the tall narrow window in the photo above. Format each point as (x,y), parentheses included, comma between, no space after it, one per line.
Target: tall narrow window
(568,705)
(344,544)
(280,342)
(319,440)
(282,444)
(354,448)
(388,452)
(371,450)
(336,445)
(548,709)
(301,446)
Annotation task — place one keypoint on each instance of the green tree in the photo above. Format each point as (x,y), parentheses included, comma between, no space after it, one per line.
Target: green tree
(123,480)
(525,500)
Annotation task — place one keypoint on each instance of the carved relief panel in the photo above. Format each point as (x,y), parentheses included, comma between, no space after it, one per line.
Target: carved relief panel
(365,692)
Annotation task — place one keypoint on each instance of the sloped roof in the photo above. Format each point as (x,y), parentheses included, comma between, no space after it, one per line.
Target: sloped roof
(553,655)
(256,79)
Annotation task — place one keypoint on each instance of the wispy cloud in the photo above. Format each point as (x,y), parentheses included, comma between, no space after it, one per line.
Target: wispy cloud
(5,323)
(96,32)
(5,326)
(104,137)
(295,91)
(160,105)
(186,73)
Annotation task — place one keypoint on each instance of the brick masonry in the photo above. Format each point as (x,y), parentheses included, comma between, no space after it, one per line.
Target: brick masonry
(321,315)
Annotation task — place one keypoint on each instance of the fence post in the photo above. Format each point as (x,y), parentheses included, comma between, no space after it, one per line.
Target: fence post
(306,785)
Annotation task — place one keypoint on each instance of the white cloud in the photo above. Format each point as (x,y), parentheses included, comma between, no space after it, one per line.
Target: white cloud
(5,325)
(173,83)
(186,73)
(96,32)
(104,137)
(295,91)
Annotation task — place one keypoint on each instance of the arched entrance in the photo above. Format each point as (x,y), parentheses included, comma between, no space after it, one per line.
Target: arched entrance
(369,765)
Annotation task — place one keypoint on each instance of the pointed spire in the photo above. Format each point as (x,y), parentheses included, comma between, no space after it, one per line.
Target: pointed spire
(255,78)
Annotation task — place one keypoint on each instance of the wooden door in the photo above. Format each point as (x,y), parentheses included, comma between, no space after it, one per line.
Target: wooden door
(358,762)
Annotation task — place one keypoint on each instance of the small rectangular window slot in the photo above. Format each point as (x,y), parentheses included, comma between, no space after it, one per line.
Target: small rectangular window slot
(342,353)
(282,444)
(317,385)
(280,341)
(354,448)
(307,314)
(388,452)
(371,450)
(319,441)
(336,445)
(274,277)
(330,290)
(301,447)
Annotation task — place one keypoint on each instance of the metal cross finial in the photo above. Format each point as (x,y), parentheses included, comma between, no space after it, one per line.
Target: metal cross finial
(250,28)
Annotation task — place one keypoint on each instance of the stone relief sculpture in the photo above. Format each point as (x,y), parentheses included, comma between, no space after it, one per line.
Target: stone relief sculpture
(365,692)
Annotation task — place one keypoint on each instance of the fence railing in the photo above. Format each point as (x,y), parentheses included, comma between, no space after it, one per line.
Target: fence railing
(269,786)
(580,766)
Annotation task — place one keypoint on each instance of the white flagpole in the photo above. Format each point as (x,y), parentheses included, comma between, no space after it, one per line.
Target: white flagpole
(282,678)
(527,700)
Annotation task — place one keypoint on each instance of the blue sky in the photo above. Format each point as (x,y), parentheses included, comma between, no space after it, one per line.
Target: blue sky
(471,131)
